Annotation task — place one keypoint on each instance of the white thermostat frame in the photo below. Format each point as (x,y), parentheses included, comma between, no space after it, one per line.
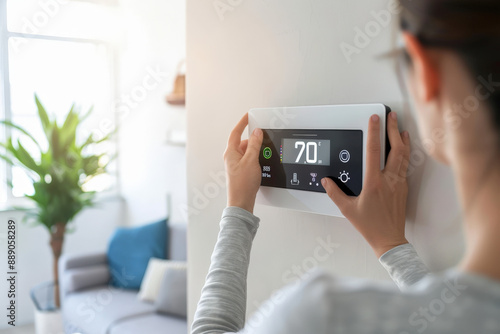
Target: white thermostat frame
(331,117)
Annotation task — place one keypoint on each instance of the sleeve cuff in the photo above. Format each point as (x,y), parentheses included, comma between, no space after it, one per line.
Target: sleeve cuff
(395,253)
(242,214)
(404,265)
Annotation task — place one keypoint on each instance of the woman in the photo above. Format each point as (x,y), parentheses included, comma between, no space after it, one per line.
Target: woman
(453,67)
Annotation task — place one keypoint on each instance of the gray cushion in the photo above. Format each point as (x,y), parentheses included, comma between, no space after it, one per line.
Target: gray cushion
(74,261)
(95,310)
(151,324)
(172,298)
(177,244)
(70,261)
(85,277)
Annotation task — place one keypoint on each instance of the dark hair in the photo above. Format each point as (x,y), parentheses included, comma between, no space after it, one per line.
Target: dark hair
(469,27)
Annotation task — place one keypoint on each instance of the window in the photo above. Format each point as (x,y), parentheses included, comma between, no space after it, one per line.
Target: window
(51,48)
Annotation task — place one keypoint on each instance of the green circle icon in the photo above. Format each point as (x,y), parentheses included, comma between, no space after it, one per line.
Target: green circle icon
(267,153)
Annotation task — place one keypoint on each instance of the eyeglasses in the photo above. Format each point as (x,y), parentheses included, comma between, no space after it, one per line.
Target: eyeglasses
(402,61)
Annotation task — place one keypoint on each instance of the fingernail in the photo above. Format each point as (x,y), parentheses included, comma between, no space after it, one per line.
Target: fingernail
(375,118)
(406,134)
(323,182)
(257,132)
(394,115)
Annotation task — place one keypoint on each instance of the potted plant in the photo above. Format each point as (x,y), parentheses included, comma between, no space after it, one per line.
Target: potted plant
(59,174)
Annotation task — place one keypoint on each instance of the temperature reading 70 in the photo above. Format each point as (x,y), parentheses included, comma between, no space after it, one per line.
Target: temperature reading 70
(305,152)
(311,149)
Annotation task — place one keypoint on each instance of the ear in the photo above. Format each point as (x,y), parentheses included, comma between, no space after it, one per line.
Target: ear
(425,70)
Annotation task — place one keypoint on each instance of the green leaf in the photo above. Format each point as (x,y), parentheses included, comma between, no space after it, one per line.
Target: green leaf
(25,158)
(108,136)
(70,116)
(44,118)
(8,146)
(55,145)
(91,164)
(17,127)
(68,130)
(87,114)
(6,159)
(90,140)
(18,155)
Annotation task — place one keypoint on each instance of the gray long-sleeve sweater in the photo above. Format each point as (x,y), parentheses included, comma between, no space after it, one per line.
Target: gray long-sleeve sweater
(451,302)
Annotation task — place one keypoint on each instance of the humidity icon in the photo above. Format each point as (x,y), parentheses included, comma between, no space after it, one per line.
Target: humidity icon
(344,177)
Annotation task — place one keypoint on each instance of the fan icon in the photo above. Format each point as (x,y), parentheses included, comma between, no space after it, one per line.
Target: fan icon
(344,177)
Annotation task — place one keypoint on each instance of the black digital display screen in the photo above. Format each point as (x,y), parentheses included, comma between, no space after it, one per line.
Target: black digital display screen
(299,159)
(305,151)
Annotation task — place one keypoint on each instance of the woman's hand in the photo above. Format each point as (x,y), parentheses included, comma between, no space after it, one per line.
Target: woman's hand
(378,213)
(242,166)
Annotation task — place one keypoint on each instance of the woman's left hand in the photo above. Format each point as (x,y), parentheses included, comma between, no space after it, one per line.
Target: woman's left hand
(242,166)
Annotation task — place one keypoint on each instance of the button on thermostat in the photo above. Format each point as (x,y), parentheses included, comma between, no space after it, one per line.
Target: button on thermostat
(267,153)
(345,156)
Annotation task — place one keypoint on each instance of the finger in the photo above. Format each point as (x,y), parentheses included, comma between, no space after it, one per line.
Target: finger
(393,130)
(336,194)
(395,158)
(405,137)
(254,145)
(373,147)
(235,136)
(243,146)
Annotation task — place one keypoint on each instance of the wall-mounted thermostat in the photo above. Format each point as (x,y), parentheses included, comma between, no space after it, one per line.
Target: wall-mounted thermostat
(304,144)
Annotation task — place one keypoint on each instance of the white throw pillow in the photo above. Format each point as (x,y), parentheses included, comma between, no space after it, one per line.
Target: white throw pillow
(172,298)
(150,286)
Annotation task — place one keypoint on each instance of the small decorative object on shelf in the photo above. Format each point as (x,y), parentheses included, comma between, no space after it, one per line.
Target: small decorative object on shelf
(178,95)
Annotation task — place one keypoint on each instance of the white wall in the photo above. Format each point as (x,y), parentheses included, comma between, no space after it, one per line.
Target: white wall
(93,228)
(150,169)
(287,53)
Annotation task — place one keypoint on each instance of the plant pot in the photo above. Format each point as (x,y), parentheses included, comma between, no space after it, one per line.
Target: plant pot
(48,322)
(48,318)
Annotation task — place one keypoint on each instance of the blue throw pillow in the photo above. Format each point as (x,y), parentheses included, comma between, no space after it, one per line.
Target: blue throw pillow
(130,250)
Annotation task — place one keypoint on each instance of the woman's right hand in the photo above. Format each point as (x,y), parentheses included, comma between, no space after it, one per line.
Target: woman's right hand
(242,166)
(379,212)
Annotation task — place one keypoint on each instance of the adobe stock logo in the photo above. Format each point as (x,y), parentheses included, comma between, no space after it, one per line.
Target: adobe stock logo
(449,294)
(224,6)
(39,20)
(372,29)
(295,275)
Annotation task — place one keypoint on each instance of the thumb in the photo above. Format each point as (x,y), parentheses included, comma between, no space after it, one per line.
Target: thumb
(254,145)
(336,194)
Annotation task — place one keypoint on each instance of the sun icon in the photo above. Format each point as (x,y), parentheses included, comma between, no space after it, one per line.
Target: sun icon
(344,177)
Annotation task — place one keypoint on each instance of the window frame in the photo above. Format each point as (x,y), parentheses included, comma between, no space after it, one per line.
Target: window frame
(6,107)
